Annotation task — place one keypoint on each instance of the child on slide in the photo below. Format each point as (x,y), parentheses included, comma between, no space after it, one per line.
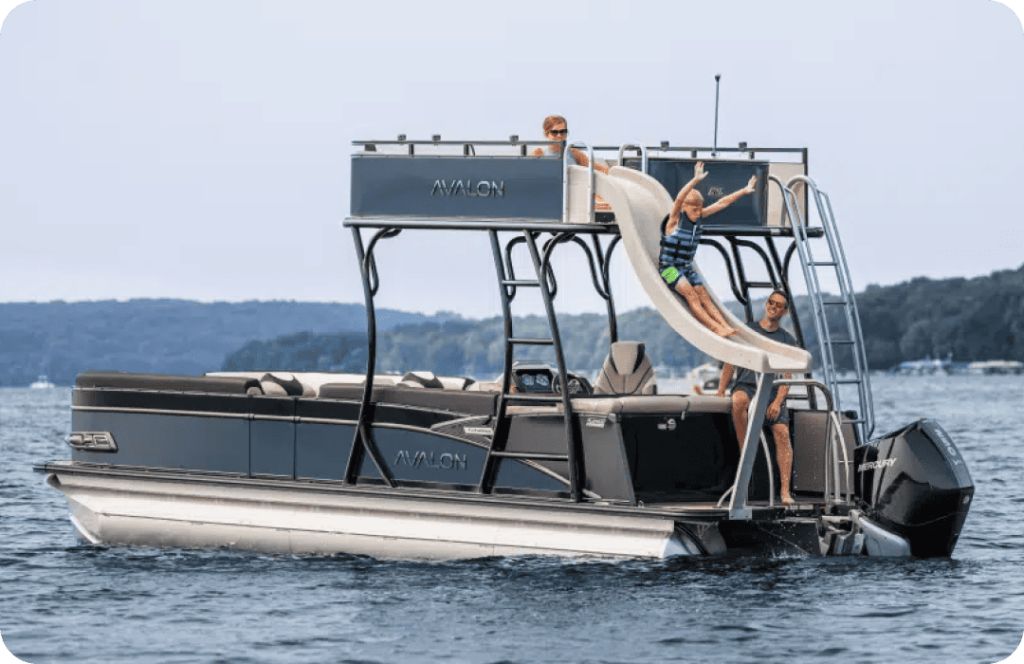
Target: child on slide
(679,244)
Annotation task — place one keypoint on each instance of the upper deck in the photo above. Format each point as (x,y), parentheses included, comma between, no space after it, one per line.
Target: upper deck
(479,185)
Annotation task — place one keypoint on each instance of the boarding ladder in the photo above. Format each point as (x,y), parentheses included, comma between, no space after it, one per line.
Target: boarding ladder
(834,316)
(545,281)
(508,285)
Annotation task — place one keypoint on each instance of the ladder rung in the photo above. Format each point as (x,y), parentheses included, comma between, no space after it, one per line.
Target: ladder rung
(538,456)
(843,342)
(545,398)
(823,263)
(520,282)
(760,284)
(848,381)
(833,300)
(533,342)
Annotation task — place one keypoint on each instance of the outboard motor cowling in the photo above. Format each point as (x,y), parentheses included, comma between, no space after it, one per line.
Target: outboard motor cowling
(914,483)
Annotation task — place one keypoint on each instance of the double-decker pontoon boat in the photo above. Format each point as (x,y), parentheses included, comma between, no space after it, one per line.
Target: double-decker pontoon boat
(538,461)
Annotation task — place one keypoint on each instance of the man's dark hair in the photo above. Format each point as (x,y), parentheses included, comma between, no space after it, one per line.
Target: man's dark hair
(779,291)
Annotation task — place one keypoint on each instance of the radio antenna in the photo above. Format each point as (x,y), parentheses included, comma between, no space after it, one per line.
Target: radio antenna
(714,149)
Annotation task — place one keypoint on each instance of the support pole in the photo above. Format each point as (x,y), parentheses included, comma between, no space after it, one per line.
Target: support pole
(714,149)
(738,508)
(362,441)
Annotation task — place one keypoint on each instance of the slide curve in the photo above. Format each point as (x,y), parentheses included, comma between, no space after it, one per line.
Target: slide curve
(640,203)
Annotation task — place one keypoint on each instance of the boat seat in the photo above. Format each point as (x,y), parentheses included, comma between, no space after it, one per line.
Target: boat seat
(421,379)
(626,371)
(276,386)
(119,380)
(458,401)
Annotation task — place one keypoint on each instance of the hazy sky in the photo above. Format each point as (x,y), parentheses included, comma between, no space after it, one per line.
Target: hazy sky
(200,149)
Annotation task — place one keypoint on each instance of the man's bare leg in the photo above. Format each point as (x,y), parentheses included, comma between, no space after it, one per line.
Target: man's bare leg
(784,453)
(740,403)
(688,292)
(709,306)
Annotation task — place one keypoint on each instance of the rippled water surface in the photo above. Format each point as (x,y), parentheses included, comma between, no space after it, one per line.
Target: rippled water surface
(61,601)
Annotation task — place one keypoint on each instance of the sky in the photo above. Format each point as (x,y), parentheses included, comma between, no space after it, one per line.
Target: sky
(201,150)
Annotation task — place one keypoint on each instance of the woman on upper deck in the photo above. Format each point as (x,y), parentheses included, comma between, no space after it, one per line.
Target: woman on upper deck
(557,129)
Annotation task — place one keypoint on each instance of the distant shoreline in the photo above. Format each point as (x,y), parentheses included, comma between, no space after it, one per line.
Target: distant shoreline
(972,319)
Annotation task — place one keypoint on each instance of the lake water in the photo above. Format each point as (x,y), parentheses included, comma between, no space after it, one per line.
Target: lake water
(61,601)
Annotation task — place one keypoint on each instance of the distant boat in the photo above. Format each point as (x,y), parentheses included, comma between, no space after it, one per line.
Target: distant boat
(42,383)
(704,378)
(925,367)
(996,367)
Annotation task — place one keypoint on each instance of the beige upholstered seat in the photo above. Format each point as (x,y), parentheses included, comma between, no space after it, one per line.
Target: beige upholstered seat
(421,379)
(627,371)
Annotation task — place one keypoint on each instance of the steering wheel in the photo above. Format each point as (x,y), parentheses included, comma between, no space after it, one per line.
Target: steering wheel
(577,384)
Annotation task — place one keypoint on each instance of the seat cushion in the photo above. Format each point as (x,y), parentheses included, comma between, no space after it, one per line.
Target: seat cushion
(118,380)
(459,401)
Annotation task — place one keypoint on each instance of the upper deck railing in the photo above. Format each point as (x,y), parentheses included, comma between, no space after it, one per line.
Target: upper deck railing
(501,180)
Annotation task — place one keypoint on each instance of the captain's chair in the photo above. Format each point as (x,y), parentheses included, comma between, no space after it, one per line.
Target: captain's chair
(627,371)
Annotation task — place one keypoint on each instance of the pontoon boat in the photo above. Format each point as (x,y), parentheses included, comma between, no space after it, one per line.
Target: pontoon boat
(539,461)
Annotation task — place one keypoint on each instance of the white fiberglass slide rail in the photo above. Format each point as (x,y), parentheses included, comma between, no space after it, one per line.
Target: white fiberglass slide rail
(640,203)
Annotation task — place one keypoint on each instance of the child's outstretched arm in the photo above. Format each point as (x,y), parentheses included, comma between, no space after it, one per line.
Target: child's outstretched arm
(726,201)
(677,208)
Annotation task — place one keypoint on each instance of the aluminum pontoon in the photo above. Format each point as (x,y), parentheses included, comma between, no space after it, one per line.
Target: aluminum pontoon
(538,461)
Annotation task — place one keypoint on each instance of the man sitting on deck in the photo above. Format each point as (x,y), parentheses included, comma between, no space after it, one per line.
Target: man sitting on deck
(776,416)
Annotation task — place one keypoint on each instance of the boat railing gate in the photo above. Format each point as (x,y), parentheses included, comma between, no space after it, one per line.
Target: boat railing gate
(835,445)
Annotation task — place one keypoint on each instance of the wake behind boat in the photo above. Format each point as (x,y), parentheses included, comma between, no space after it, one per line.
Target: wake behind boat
(539,461)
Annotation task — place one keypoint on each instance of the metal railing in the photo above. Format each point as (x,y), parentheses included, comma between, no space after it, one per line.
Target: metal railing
(835,447)
(566,157)
(834,439)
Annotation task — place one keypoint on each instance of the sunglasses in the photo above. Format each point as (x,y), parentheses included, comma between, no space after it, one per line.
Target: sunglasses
(558,132)
(776,304)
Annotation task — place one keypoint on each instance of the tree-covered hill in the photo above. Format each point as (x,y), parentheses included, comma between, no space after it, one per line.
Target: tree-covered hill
(62,339)
(974,319)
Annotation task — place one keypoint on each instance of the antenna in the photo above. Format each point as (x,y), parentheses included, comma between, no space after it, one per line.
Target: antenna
(714,149)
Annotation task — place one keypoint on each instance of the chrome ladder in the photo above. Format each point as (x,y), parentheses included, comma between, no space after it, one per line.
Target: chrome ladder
(826,308)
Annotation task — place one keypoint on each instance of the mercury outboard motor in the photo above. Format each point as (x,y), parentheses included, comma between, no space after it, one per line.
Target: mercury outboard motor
(914,483)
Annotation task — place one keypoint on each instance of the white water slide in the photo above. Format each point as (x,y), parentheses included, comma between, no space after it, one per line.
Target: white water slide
(640,204)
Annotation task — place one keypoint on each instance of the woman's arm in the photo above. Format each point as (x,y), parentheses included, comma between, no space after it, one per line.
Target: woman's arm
(581,160)
(726,201)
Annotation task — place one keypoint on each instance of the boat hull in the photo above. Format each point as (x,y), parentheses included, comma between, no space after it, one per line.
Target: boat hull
(198,514)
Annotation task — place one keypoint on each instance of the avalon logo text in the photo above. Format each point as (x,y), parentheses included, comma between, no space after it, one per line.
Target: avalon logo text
(469,189)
